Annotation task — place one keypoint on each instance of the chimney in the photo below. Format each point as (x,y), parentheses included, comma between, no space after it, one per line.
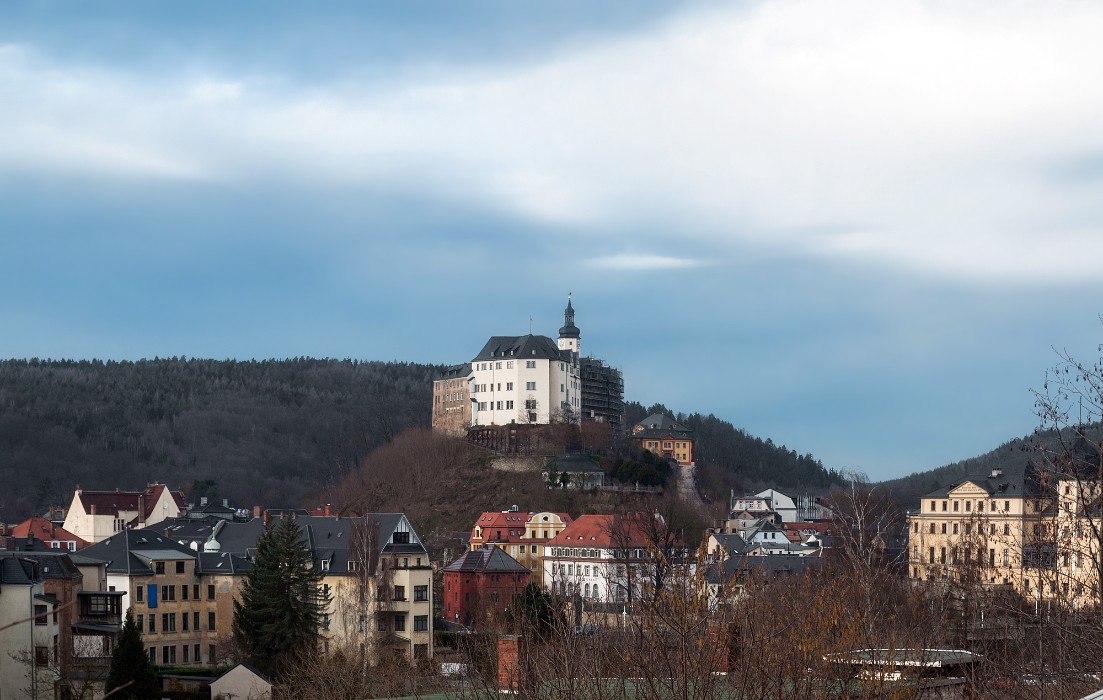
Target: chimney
(256,511)
(510,648)
(225,503)
(93,509)
(202,501)
(327,510)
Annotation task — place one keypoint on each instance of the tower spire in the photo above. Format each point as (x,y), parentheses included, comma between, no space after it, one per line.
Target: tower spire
(569,333)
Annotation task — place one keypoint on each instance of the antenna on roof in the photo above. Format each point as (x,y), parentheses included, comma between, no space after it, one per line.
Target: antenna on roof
(530,325)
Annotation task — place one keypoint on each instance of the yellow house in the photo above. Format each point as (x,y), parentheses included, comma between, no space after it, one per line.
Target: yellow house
(661,435)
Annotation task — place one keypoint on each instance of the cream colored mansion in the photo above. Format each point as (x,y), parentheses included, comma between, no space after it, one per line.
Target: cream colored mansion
(1037,530)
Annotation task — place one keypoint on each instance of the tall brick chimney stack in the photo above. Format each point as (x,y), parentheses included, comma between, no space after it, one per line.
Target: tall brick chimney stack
(510,649)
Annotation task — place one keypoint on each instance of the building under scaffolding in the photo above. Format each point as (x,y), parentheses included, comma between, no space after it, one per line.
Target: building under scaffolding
(603,395)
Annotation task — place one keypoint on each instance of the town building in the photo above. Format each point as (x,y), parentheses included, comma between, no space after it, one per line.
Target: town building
(603,395)
(520,535)
(606,558)
(94,516)
(38,533)
(529,380)
(663,436)
(172,603)
(1016,526)
(452,400)
(28,629)
(525,379)
(482,584)
(375,571)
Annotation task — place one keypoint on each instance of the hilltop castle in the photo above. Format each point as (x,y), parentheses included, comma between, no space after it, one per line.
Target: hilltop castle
(529,379)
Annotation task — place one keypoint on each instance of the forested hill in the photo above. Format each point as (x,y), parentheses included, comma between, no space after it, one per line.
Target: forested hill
(1016,453)
(729,458)
(263,432)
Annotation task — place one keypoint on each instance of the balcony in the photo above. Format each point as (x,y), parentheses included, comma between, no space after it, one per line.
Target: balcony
(99,611)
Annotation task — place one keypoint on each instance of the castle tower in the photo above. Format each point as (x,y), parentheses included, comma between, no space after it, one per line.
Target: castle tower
(569,333)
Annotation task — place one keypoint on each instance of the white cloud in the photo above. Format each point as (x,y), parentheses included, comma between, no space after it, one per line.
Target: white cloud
(913,134)
(628,261)
(211,90)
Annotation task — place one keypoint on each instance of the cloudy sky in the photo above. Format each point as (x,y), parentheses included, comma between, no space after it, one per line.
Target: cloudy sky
(856,227)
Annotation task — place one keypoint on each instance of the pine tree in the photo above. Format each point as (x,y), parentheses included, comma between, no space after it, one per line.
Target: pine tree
(281,607)
(129,664)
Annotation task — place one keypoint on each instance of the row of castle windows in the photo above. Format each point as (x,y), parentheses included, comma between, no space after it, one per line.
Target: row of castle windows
(969,506)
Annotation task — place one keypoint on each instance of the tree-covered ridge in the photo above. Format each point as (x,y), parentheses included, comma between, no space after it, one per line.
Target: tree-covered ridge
(728,458)
(1013,454)
(264,431)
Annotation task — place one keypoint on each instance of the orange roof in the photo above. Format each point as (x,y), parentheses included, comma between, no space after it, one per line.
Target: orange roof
(43,529)
(511,525)
(501,527)
(604,531)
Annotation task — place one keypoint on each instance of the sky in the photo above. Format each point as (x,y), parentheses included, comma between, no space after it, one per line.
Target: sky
(859,228)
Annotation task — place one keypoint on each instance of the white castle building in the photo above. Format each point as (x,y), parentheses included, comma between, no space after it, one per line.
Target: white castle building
(528,379)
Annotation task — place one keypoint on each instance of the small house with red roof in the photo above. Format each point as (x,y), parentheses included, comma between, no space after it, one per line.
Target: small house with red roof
(38,533)
(482,584)
(94,516)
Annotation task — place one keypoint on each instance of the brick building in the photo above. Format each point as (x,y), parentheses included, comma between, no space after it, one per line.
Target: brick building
(482,584)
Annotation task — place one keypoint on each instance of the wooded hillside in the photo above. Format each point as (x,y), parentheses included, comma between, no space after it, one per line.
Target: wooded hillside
(267,432)
(1016,453)
(262,431)
(728,458)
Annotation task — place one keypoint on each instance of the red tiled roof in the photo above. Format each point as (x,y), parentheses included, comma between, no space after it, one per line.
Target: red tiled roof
(604,531)
(510,524)
(43,529)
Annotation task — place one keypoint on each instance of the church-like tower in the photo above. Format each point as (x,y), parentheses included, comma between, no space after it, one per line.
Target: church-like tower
(569,333)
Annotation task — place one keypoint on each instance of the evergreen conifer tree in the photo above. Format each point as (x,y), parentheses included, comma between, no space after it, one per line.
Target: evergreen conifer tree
(129,664)
(281,606)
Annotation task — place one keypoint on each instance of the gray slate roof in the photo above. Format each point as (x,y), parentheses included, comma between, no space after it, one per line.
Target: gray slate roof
(1016,480)
(454,372)
(522,347)
(120,551)
(770,565)
(53,564)
(329,538)
(16,571)
(490,558)
(658,425)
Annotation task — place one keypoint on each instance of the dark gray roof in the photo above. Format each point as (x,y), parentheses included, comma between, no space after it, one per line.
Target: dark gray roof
(732,543)
(576,463)
(53,564)
(569,330)
(770,565)
(223,563)
(119,550)
(490,558)
(329,538)
(1015,481)
(454,372)
(528,347)
(659,425)
(16,570)
(186,530)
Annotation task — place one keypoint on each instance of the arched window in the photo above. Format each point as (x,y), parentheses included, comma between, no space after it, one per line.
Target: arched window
(586,593)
